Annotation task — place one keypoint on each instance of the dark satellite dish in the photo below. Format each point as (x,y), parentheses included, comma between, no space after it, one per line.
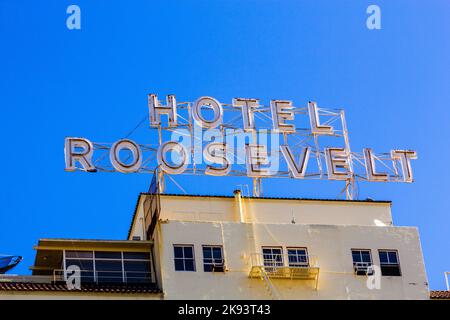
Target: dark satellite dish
(8,262)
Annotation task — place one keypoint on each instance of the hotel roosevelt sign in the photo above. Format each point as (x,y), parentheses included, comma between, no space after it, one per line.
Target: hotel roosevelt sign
(243,138)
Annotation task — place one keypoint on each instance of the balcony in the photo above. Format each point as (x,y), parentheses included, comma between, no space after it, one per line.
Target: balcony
(284,266)
(104,277)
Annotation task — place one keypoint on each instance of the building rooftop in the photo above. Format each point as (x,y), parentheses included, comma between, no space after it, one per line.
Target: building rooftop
(440,295)
(268,198)
(95,288)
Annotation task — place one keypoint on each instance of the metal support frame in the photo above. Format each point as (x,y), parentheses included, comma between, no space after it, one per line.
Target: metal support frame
(302,137)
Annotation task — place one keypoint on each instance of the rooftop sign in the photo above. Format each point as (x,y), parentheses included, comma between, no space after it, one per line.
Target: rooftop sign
(243,138)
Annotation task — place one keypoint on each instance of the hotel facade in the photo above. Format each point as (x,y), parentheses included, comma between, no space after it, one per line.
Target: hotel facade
(235,247)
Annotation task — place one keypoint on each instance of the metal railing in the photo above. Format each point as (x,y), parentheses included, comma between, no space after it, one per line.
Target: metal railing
(274,261)
(113,277)
(284,266)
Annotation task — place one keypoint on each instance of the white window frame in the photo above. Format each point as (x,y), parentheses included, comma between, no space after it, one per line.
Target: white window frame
(122,259)
(389,264)
(297,255)
(184,258)
(212,258)
(275,264)
(361,265)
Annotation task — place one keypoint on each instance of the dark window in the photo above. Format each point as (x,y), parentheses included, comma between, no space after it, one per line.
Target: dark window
(107,255)
(213,259)
(110,267)
(80,254)
(184,257)
(298,257)
(272,257)
(108,271)
(86,268)
(389,263)
(136,256)
(362,261)
(137,271)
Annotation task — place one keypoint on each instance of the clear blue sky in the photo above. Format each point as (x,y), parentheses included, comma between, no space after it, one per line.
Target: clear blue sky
(54,82)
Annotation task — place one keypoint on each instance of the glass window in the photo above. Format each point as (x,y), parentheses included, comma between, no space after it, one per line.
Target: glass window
(109,267)
(107,255)
(108,271)
(362,261)
(273,257)
(137,271)
(79,254)
(298,257)
(389,263)
(136,256)
(392,256)
(383,257)
(86,268)
(213,259)
(184,257)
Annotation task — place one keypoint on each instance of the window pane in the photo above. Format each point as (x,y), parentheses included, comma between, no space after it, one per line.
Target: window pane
(109,277)
(217,253)
(78,254)
(137,277)
(141,266)
(87,276)
(207,252)
(188,252)
(136,255)
(356,256)
(390,270)
(83,264)
(393,257)
(189,264)
(179,265)
(366,256)
(207,268)
(277,251)
(108,255)
(383,257)
(108,265)
(178,251)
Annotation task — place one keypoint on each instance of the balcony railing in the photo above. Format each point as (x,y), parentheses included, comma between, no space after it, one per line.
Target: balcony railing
(284,266)
(106,277)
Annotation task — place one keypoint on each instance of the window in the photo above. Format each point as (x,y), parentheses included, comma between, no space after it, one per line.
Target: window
(389,263)
(184,257)
(213,259)
(108,267)
(137,266)
(362,260)
(298,257)
(111,266)
(84,260)
(273,257)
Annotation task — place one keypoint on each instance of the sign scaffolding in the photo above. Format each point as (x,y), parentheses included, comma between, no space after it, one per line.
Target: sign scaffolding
(244,138)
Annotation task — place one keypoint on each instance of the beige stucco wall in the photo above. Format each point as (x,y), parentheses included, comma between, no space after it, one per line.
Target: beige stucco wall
(215,209)
(332,245)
